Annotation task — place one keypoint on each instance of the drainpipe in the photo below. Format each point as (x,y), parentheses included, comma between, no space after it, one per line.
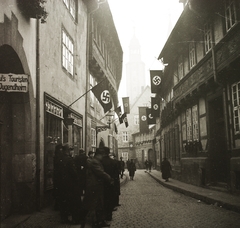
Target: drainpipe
(38,186)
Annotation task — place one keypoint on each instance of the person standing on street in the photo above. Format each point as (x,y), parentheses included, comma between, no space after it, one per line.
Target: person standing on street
(95,177)
(146,164)
(149,165)
(166,169)
(68,177)
(122,167)
(132,169)
(128,162)
(78,216)
(110,166)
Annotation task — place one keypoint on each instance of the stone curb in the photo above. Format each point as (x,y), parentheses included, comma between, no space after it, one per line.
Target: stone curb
(195,195)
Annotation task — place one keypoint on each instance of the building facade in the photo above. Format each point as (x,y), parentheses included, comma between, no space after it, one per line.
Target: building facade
(104,61)
(199,130)
(46,59)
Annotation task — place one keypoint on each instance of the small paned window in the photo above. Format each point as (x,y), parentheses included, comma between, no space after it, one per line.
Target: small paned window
(180,67)
(207,37)
(125,136)
(71,6)
(236,106)
(192,55)
(230,14)
(136,120)
(67,52)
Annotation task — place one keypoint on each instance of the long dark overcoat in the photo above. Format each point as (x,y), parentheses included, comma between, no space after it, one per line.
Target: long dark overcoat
(166,169)
(111,191)
(95,176)
(132,169)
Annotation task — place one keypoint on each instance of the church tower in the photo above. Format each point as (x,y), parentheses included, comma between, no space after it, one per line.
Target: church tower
(135,71)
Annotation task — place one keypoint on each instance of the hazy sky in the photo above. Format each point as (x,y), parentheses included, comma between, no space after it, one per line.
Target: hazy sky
(151,20)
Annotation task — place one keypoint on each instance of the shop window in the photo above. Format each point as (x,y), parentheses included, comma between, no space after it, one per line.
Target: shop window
(67,52)
(53,137)
(230,14)
(236,106)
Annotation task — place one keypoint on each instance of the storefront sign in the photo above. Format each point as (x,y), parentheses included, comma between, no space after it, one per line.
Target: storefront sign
(14,83)
(54,108)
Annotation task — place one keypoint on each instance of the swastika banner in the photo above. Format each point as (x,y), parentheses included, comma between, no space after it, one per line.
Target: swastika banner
(155,106)
(102,93)
(156,78)
(126,105)
(143,125)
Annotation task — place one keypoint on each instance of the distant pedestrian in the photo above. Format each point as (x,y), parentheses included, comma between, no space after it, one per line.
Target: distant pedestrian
(128,162)
(166,169)
(149,165)
(146,164)
(122,167)
(132,169)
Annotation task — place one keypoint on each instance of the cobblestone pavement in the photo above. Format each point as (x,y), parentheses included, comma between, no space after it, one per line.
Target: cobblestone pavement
(147,204)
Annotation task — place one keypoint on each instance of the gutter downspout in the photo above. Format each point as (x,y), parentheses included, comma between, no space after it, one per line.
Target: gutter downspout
(38,192)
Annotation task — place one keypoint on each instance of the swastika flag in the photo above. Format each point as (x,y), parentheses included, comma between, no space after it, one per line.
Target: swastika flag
(155,105)
(102,93)
(156,78)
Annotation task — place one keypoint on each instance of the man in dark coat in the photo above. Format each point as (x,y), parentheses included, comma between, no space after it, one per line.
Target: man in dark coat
(122,166)
(79,187)
(166,169)
(132,169)
(67,178)
(110,191)
(95,178)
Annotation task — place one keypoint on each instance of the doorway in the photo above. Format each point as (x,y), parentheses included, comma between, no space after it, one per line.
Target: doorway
(217,141)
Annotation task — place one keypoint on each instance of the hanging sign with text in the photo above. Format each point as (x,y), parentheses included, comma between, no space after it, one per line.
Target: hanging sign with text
(14,82)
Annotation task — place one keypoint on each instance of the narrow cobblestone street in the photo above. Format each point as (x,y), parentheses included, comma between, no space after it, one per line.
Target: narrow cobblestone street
(146,203)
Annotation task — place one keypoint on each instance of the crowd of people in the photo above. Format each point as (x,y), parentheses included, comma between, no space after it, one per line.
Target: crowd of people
(87,186)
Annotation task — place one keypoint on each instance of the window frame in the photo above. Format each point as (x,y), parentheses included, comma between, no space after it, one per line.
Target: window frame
(207,37)
(230,11)
(72,10)
(192,54)
(236,107)
(67,46)
(125,136)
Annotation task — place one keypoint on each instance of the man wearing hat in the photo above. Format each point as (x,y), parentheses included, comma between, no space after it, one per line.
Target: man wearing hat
(95,178)
(110,192)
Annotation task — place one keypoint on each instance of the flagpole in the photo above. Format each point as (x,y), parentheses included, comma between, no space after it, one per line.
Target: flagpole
(85,93)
